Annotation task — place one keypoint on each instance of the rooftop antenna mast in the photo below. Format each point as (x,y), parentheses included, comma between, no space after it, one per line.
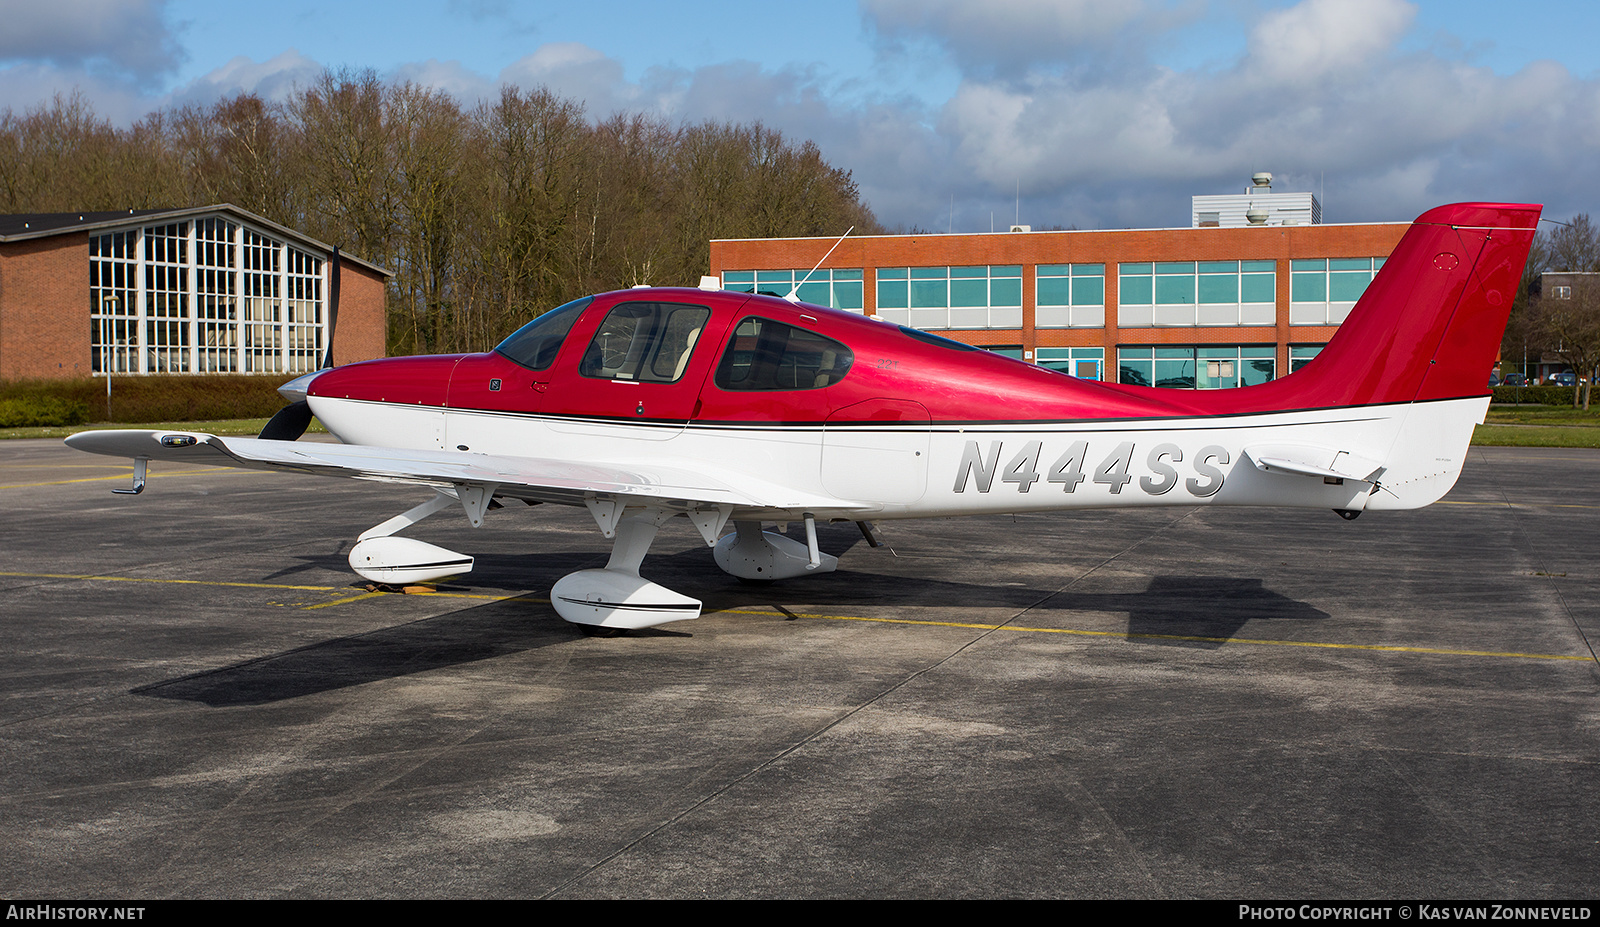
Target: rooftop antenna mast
(794,292)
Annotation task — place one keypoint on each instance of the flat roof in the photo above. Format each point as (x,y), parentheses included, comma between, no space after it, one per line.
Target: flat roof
(1180,228)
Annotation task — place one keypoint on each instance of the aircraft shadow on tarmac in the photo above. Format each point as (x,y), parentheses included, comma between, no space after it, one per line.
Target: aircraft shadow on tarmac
(1210,607)
(1210,610)
(481,632)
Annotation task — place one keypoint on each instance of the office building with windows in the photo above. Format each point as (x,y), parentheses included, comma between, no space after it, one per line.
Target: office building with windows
(1199,308)
(207,290)
(1562,288)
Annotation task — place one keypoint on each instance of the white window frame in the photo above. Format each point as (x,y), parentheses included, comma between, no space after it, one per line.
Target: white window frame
(289,336)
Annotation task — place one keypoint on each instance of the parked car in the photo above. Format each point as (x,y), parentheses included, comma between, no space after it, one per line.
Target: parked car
(1514,379)
(1567,378)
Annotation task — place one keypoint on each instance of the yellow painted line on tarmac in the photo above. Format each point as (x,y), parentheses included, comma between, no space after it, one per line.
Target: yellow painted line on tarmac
(1075,632)
(1521,505)
(437,595)
(181,582)
(1124,635)
(211,582)
(83,466)
(354,598)
(125,475)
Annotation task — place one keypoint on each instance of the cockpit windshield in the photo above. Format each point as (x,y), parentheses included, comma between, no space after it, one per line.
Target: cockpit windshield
(536,344)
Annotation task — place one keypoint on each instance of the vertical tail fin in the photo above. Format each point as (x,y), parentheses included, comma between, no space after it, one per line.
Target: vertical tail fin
(1429,325)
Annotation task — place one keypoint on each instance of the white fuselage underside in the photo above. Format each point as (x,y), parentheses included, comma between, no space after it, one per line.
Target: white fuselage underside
(962,469)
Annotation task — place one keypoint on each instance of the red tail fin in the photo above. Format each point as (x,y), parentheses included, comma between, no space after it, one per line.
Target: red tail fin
(1429,325)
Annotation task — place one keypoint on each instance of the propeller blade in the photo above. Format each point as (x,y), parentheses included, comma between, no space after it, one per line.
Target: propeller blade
(293,419)
(290,423)
(333,309)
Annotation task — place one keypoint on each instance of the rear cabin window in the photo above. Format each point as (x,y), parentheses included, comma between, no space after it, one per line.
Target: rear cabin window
(768,355)
(536,344)
(645,341)
(939,340)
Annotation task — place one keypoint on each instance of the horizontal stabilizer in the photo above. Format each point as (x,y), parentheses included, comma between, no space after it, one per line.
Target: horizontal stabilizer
(1322,463)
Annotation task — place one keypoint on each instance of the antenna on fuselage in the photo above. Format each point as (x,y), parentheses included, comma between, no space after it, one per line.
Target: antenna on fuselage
(794,292)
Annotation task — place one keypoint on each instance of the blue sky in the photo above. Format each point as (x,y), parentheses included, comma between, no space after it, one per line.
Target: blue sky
(950,113)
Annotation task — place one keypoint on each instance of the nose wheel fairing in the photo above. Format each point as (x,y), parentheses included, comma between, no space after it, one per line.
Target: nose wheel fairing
(383,558)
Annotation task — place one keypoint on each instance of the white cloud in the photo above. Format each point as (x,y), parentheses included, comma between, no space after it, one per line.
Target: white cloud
(25,87)
(467,86)
(578,72)
(1388,134)
(1322,92)
(274,79)
(1317,39)
(130,36)
(1007,36)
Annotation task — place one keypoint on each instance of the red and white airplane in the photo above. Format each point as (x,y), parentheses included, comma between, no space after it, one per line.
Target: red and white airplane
(646,404)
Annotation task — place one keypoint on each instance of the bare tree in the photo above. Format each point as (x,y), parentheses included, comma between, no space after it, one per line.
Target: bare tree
(241,151)
(429,134)
(1524,338)
(534,144)
(1571,327)
(60,157)
(632,197)
(487,218)
(348,165)
(1575,246)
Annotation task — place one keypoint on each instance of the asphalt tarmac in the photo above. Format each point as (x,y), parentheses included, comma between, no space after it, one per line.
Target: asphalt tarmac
(200,702)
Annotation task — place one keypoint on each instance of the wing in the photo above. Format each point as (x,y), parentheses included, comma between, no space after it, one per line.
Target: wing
(530,478)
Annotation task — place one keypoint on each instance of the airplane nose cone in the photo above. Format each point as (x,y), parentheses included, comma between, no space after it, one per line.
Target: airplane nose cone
(295,390)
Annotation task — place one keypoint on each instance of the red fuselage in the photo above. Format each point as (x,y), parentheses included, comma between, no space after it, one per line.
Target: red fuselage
(892,372)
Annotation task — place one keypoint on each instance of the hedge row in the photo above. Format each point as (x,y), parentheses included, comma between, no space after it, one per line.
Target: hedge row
(41,410)
(140,399)
(1547,395)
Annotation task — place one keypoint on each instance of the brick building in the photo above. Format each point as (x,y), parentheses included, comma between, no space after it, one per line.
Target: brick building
(1582,287)
(1193,307)
(212,289)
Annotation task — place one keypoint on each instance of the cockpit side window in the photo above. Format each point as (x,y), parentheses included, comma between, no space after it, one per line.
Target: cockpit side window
(768,355)
(536,344)
(646,341)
